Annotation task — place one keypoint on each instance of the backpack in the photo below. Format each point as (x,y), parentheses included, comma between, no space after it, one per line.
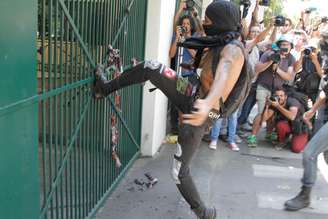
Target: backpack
(242,87)
(298,125)
(307,81)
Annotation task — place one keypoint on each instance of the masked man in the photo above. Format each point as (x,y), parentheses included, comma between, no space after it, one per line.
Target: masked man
(223,71)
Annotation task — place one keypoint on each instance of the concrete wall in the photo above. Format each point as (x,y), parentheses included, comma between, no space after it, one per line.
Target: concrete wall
(160,17)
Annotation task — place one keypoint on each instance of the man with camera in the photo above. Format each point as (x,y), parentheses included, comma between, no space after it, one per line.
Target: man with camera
(310,72)
(274,69)
(286,112)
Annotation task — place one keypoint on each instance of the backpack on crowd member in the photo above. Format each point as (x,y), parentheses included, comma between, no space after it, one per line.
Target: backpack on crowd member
(307,81)
(298,124)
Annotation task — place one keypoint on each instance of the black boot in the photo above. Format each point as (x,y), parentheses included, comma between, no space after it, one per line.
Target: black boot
(302,200)
(205,213)
(99,82)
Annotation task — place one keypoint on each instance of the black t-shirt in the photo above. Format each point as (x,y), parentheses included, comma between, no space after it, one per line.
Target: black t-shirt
(291,102)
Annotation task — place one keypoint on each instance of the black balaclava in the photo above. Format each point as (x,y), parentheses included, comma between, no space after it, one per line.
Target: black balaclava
(225,17)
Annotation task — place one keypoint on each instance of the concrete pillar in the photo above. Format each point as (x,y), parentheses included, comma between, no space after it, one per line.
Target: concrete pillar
(160,17)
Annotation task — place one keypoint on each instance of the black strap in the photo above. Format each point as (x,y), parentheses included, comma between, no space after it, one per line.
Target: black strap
(198,58)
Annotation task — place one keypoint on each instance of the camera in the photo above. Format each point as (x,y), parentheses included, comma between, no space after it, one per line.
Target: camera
(308,51)
(324,19)
(246,4)
(190,5)
(280,21)
(183,29)
(264,3)
(275,57)
(309,10)
(274,98)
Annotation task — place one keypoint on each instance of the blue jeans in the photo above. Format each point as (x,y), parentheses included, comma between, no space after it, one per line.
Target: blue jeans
(247,106)
(232,126)
(315,146)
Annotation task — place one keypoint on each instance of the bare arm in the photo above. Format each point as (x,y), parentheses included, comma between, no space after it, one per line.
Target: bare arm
(173,48)
(290,113)
(227,74)
(258,38)
(298,63)
(319,102)
(178,14)
(287,76)
(315,61)
(255,16)
(261,67)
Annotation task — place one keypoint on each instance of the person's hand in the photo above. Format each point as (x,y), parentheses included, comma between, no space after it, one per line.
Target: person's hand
(274,66)
(178,33)
(314,56)
(197,118)
(308,115)
(182,6)
(272,21)
(275,104)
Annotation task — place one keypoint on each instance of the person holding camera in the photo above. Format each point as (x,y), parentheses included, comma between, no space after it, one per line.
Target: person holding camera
(285,24)
(185,29)
(274,69)
(314,147)
(287,114)
(310,72)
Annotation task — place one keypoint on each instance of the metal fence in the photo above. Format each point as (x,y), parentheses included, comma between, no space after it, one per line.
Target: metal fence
(76,168)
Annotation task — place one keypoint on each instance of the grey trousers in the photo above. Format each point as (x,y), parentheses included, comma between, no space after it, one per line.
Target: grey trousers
(317,145)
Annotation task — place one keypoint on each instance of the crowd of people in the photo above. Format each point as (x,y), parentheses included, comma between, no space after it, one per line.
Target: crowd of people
(289,60)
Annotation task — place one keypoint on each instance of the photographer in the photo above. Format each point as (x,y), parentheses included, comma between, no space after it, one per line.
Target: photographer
(287,112)
(187,8)
(185,29)
(274,69)
(286,25)
(308,79)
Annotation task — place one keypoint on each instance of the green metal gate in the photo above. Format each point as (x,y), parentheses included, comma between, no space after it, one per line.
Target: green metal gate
(76,170)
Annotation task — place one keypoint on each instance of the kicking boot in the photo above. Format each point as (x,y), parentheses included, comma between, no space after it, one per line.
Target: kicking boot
(99,82)
(302,200)
(207,213)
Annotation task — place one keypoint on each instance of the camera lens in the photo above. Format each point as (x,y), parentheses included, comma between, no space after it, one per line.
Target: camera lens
(264,3)
(280,21)
(307,51)
(190,4)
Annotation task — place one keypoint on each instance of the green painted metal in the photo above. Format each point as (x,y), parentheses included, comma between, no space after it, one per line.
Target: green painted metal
(18,131)
(72,140)
(77,170)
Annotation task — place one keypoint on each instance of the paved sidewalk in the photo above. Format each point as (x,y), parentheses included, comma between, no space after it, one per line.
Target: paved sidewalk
(250,184)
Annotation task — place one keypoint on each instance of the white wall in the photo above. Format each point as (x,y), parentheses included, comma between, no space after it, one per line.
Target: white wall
(160,17)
